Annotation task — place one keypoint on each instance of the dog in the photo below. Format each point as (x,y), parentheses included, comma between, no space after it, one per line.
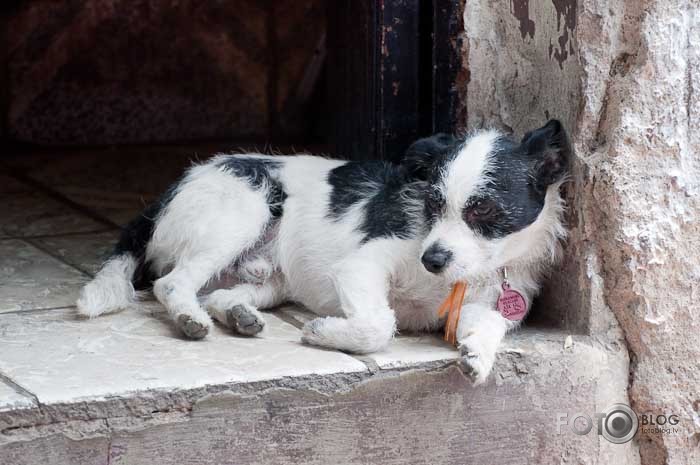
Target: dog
(371,247)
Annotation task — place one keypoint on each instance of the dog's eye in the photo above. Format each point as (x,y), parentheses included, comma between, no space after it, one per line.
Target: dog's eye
(479,211)
(482,209)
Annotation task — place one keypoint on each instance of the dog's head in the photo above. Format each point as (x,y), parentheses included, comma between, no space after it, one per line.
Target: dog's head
(494,202)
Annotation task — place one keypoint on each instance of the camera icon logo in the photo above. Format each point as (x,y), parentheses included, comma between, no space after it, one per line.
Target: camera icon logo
(620,424)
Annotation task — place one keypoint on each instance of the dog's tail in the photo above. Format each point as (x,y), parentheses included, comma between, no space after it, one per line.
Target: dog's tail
(116,284)
(111,289)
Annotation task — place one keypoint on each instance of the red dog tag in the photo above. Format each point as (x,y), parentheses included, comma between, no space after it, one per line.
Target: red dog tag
(511,303)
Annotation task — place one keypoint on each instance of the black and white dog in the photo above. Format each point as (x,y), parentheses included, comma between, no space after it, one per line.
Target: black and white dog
(370,247)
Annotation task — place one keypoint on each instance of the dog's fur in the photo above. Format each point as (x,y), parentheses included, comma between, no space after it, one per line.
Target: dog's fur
(346,240)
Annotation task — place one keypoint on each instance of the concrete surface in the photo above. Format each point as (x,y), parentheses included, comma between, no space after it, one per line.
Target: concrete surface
(11,399)
(138,349)
(125,389)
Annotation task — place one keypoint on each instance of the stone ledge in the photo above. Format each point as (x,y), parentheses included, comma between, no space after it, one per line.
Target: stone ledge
(106,392)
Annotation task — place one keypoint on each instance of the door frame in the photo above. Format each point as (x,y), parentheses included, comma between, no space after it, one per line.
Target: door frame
(393,73)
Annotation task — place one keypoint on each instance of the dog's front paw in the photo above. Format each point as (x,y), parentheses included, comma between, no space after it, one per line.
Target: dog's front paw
(476,359)
(347,335)
(312,333)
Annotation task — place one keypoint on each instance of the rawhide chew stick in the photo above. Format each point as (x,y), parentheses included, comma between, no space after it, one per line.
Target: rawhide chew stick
(453,307)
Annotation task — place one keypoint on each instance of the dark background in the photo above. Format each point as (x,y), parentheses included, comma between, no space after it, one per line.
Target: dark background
(361,79)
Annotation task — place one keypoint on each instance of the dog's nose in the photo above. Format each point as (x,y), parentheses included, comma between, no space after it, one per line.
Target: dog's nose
(436,258)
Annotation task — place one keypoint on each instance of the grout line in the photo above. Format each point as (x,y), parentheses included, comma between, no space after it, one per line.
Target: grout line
(19,389)
(36,310)
(56,195)
(282,315)
(58,257)
(60,235)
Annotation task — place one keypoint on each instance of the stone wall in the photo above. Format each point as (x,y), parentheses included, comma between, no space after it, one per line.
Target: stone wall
(624,76)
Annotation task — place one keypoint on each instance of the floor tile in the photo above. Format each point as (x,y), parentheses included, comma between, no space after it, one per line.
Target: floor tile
(31,279)
(9,185)
(117,184)
(404,351)
(117,207)
(11,399)
(60,357)
(27,214)
(84,251)
(407,351)
(297,314)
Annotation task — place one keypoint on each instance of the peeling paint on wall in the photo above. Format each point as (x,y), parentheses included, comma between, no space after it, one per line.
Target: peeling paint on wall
(521,10)
(566,10)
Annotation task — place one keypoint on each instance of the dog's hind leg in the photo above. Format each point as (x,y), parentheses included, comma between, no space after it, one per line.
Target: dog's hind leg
(213,220)
(237,308)
(177,291)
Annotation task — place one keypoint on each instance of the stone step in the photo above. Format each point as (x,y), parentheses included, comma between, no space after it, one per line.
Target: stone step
(126,389)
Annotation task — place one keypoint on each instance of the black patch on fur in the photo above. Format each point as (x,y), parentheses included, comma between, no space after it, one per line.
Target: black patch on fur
(276,197)
(392,211)
(551,152)
(435,204)
(351,183)
(519,177)
(423,154)
(135,236)
(392,198)
(258,171)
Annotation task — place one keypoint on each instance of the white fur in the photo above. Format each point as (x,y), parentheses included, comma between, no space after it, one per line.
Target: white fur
(111,290)
(465,175)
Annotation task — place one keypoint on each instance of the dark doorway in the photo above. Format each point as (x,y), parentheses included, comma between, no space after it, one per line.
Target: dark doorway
(359,79)
(102,73)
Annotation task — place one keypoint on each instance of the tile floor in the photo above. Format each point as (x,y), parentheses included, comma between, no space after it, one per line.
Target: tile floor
(59,217)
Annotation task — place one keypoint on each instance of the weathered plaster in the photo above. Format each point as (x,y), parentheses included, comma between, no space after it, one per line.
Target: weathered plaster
(624,77)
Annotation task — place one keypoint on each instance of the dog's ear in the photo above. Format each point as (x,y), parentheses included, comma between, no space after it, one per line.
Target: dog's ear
(421,155)
(548,148)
